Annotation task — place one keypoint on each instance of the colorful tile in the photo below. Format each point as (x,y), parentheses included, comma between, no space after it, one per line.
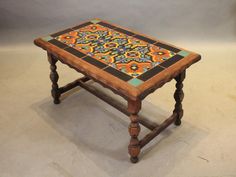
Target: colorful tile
(95,21)
(148,40)
(75,52)
(135,82)
(124,53)
(149,74)
(168,47)
(47,38)
(183,53)
(61,32)
(94,62)
(107,25)
(171,61)
(129,33)
(131,57)
(81,25)
(58,43)
(118,73)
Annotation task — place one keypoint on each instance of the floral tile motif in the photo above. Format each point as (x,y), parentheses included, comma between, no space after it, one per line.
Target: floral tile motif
(125,53)
(131,57)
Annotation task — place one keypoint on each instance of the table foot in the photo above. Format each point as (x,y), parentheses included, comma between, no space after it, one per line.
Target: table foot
(56,101)
(178,122)
(134,159)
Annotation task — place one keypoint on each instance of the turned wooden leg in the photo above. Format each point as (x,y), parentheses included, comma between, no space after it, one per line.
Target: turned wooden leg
(134,129)
(54,78)
(179,95)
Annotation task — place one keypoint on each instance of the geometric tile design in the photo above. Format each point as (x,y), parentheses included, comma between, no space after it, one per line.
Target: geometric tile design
(130,57)
(124,53)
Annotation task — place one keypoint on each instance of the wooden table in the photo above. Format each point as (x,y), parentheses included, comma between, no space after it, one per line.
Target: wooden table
(128,63)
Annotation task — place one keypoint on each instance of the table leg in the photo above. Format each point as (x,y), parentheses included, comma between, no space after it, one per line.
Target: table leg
(134,129)
(179,95)
(54,78)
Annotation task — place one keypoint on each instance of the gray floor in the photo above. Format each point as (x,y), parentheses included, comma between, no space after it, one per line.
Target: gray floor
(85,137)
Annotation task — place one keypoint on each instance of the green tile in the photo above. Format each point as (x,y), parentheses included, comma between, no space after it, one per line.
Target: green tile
(135,82)
(47,38)
(95,21)
(183,53)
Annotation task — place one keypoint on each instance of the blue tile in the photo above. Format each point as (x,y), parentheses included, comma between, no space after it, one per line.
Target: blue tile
(135,82)
(183,53)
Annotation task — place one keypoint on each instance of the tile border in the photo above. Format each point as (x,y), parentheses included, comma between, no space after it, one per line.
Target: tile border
(135,81)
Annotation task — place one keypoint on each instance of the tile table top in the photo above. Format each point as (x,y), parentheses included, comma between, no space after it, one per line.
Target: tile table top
(129,56)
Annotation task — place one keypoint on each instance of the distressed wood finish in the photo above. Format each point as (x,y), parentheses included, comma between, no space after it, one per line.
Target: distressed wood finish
(179,95)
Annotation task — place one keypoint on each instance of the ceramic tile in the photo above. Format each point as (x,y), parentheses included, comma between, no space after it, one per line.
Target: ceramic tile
(129,33)
(58,43)
(75,52)
(171,61)
(94,62)
(118,73)
(61,32)
(135,82)
(95,21)
(149,74)
(183,53)
(123,53)
(47,38)
(151,41)
(168,47)
(107,25)
(81,25)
